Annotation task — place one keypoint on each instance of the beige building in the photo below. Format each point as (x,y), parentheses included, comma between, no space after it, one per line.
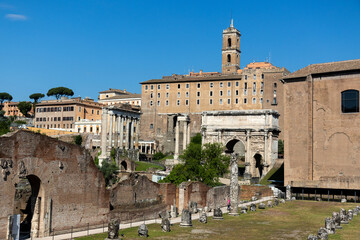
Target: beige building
(11,109)
(322,136)
(62,114)
(117,96)
(187,96)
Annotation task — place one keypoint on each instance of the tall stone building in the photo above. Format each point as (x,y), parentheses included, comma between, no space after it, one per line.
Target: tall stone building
(322,136)
(172,106)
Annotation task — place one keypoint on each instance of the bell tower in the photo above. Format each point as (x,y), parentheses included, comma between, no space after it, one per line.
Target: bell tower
(231,50)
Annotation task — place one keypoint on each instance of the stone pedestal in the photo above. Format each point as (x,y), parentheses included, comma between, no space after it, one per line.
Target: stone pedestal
(193,207)
(203,218)
(270,204)
(173,211)
(288,193)
(186,218)
(143,231)
(218,214)
(343,216)
(113,229)
(165,224)
(262,206)
(330,225)
(253,207)
(337,220)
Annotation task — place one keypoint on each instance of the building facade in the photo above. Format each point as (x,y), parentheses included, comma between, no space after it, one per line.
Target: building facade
(62,114)
(11,109)
(166,100)
(117,96)
(322,136)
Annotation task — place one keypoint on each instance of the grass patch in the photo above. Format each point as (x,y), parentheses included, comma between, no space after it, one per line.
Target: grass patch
(145,166)
(292,220)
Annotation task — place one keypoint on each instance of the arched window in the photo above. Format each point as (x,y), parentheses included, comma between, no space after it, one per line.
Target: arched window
(228,58)
(350,101)
(229,42)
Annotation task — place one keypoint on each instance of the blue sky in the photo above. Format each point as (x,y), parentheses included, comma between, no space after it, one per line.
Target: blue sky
(93,45)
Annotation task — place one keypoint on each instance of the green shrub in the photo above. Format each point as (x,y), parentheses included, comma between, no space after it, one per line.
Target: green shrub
(158,156)
(78,140)
(109,170)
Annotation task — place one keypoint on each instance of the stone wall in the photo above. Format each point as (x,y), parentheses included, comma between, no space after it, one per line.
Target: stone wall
(71,190)
(248,191)
(195,192)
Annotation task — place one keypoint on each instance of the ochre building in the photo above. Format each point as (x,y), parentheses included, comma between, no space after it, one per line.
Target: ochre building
(179,100)
(321,133)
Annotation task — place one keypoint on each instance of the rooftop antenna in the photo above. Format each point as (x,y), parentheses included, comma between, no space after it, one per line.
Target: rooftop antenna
(269,57)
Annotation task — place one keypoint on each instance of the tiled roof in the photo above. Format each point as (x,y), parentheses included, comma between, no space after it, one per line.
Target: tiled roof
(123,96)
(186,78)
(325,68)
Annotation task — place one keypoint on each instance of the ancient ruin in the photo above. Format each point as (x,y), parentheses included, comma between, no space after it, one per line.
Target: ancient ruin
(234,185)
(67,190)
(186,218)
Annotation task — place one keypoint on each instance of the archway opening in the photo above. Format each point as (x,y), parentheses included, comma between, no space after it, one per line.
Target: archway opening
(124,165)
(229,42)
(26,195)
(258,164)
(237,147)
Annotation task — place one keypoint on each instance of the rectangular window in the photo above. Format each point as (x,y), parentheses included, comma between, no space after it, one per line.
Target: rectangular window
(211,93)
(187,94)
(198,94)
(198,85)
(262,76)
(245,100)
(159,86)
(236,84)
(158,95)
(274,102)
(167,102)
(236,100)
(274,93)
(167,94)
(152,87)
(186,102)
(229,84)
(254,76)
(178,95)
(221,93)
(198,101)
(97,112)
(229,101)
(245,77)
(262,84)
(211,85)
(158,103)
(261,91)
(261,100)
(79,109)
(211,101)
(151,126)
(221,84)
(178,102)
(178,86)
(237,92)
(92,111)
(254,100)
(167,86)
(151,103)
(229,92)
(146,87)
(221,101)
(245,91)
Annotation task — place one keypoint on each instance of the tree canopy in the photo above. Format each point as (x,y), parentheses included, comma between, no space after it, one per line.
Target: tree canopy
(201,163)
(36,97)
(4,96)
(24,108)
(59,92)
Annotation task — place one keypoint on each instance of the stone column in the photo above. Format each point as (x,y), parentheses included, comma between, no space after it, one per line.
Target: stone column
(121,132)
(116,136)
(176,154)
(266,152)
(132,134)
(150,148)
(127,134)
(103,143)
(247,174)
(137,134)
(111,119)
(188,132)
(184,135)
(234,185)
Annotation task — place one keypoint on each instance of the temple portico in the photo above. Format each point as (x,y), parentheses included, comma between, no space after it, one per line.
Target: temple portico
(120,129)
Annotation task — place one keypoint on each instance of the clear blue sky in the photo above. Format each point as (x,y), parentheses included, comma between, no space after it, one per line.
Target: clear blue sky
(93,45)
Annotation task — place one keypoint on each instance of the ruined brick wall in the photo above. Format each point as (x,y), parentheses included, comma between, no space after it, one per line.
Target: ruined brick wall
(72,190)
(196,192)
(168,193)
(248,191)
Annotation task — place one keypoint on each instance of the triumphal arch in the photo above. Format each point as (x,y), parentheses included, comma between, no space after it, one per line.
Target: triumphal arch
(252,134)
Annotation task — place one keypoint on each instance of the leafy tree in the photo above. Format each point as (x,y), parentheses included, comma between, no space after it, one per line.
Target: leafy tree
(158,156)
(59,92)
(78,140)
(109,170)
(36,97)
(24,108)
(4,96)
(4,126)
(200,163)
